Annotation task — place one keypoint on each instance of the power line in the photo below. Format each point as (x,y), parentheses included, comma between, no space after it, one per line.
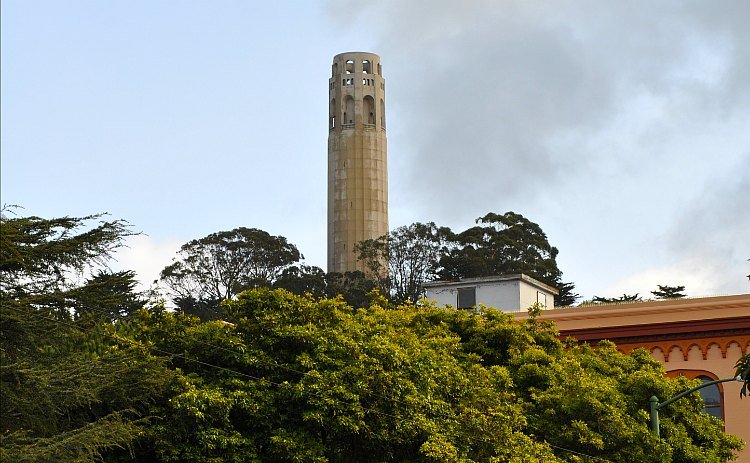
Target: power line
(306,373)
(277,384)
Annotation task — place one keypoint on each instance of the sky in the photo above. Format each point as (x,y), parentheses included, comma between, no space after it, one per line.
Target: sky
(621,128)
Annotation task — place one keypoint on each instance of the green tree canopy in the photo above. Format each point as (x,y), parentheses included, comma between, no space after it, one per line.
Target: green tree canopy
(70,391)
(410,256)
(222,264)
(503,244)
(302,279)
(613,300)
(306,379)
(404,259)
(669,292)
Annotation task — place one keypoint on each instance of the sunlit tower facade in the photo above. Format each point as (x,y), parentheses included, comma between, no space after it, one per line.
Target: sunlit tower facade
(357,161)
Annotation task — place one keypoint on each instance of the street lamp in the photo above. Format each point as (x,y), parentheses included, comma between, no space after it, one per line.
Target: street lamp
(656,406)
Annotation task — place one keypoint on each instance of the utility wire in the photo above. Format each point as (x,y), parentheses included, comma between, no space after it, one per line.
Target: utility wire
(264,380)
(306,373)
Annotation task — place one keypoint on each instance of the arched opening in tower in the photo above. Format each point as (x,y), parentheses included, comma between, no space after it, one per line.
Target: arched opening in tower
(382,113)
(369,107)
(349,112)
(332,113)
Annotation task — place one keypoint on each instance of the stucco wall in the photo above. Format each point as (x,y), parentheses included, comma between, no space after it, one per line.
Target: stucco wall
(512,295)
(718,365)
(689,336)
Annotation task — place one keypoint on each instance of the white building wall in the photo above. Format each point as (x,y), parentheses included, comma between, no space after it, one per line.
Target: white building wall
(508,295)
(503,295)
(442,296)
(530,295)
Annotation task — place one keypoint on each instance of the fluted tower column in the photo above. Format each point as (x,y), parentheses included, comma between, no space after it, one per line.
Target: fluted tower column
(357,162)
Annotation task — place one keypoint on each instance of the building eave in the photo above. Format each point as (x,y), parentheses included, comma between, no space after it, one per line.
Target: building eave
(651,318)
(492,279)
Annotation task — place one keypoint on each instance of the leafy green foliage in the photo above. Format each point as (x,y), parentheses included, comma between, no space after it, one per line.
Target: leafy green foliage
(613,300)
(306,379)
(302,279)
(309,379)
(70,391)
(404,259)
(338,384)
(499,245)
(743,371)
(223,264)
(503,245)
(669,292)
(355,288)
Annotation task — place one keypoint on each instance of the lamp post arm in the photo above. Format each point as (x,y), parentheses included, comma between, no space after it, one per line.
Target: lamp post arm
(656,406)
(690,391)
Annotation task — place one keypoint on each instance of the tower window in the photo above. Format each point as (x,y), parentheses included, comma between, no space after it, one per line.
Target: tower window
(369,108)
(380,70)
(350,67)
(332,113)
(382,113)
(366,67)
(335,69)
(349,112)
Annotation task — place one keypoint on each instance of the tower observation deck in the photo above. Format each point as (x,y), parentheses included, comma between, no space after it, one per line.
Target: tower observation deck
(357,161)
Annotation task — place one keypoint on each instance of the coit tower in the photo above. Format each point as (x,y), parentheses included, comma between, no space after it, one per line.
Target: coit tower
(357,164)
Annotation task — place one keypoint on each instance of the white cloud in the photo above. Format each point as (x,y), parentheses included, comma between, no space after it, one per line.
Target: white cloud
(146,256)
(702,275)
(616,127)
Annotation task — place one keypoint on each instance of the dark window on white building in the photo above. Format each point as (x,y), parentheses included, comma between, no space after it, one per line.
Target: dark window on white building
(467,298)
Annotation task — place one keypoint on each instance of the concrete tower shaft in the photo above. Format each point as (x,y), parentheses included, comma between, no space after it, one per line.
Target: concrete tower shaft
(357,161)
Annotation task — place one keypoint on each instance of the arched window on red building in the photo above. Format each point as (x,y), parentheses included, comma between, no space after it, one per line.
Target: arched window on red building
(711,398)
(713,395)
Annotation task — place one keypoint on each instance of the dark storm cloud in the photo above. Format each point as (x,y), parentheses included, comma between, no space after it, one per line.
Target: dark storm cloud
(501,99)
(598,120)
(715,229)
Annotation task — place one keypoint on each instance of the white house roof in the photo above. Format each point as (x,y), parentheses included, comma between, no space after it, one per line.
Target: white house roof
(492,279)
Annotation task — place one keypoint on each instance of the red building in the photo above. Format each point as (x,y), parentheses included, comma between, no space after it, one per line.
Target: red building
(698,338)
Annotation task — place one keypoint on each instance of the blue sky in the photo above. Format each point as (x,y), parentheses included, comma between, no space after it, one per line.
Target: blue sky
(622,129)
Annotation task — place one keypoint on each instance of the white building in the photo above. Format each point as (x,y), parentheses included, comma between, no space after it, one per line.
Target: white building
(509,293)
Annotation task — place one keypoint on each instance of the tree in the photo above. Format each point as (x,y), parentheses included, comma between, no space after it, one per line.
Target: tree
(221,265)
(110,296)
(567,296)
(404,259)
(302,279)
(505,244)
(614,300)
(669,292)
(353,287)
(743,371)
(70,391)
(307,379)
(338,385)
